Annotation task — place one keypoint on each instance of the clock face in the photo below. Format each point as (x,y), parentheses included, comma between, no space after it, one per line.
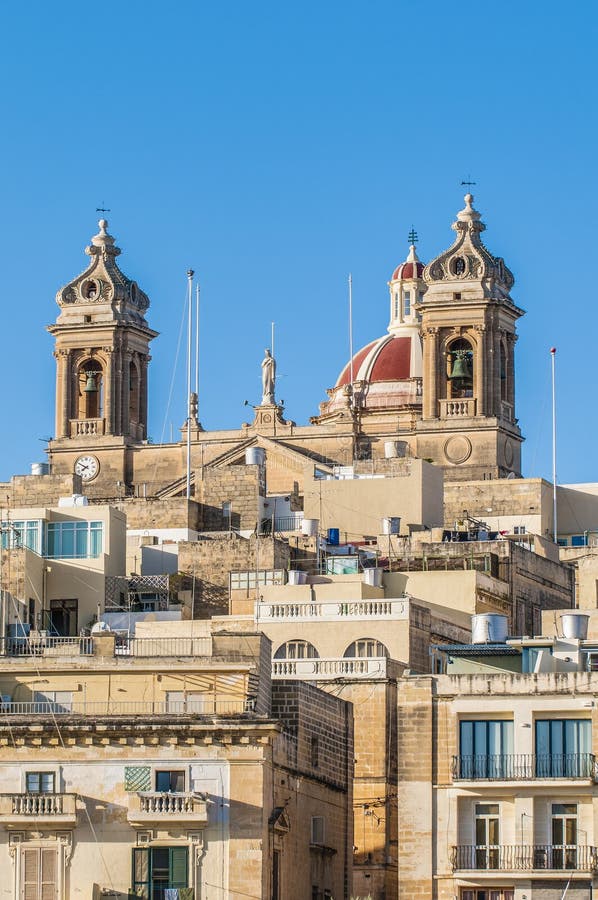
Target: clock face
(87,467)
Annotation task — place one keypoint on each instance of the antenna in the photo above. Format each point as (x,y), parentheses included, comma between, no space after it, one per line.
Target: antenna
(197,342)
(554,505)
(351,328)
(190,274)
(272,341)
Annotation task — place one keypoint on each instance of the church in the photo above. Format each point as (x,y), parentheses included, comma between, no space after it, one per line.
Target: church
(439,385)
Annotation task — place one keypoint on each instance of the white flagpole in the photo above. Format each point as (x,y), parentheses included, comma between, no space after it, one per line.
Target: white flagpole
(272,349)
(190,275)
(554,503)
(197,341)
(351,328)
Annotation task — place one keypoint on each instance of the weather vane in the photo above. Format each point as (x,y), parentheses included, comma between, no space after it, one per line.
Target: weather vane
(469,182)
(102,208)
(412,236)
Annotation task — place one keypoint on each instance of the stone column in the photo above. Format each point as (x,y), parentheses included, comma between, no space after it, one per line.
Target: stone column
(126,390)
(430,386)
(480,376)
(62,392)
(109,391)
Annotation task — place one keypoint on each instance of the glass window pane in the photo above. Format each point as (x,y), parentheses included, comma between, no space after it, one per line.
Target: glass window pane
(32,782)
(466,738)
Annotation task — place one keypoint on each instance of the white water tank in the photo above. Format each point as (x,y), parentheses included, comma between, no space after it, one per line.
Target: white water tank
(73,500)
(575,626)
(391,449)
(373,576)
(40,468)
(489,628)
(391,525)
(255,456)
(297,577)
(309,527)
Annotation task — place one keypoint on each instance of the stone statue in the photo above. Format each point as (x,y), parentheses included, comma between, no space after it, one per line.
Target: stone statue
(268,379)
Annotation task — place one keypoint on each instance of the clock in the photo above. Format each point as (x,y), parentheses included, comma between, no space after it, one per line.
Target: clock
(87,467)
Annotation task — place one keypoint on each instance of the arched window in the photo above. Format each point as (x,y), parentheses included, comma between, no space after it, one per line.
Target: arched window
(90,382)
(460,369)
(365,647)
(296,650)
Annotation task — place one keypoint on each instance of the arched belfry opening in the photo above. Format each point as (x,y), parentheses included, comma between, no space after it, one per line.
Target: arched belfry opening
(134,394)
(90,391)
(460,369)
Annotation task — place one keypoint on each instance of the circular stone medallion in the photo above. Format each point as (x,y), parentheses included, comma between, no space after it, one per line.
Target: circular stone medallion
(457,449)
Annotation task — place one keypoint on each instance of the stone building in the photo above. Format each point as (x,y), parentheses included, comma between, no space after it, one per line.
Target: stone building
(441,380)
(169,764)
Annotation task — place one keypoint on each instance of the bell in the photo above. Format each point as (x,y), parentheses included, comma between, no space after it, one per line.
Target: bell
(461,369)
(91,386)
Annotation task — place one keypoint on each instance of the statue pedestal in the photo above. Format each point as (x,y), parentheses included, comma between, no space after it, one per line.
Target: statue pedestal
(268,417)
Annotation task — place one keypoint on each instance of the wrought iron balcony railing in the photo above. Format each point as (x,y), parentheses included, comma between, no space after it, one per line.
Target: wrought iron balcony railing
(524,766)
(524,858)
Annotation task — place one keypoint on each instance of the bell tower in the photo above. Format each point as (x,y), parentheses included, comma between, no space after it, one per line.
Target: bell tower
(102,354)
(468,323)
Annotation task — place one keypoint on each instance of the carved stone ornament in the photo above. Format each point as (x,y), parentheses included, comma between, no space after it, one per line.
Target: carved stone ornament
(104,282)
(468,258)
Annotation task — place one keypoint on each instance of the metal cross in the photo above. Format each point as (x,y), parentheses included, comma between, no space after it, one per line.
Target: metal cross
(102,208)
(469,182)
(412,236)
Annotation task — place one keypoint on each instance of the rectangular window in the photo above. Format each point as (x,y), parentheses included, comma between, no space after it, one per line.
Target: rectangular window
(39,868)
(276,875)
(564,836)
(170,781)
(157,869)
(406,304)
(315,751)
(40,782)
(75,540)
(563,748)
(579,540)
(317,830)
(396,306)
(23,533)
(519,529)
(486,749)
(487,894)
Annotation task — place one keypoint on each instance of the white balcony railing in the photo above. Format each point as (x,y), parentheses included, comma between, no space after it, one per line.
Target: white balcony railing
(461,408)
(163,808)
(18,809)
(323,669)
(337,611)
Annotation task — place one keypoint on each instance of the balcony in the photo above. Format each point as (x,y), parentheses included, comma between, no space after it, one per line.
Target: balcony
(324,669)
(157,808)
(457,409)
(85,427)
(381,610)
(32,810)
(109,708)
(40,644)
(524,767)
(524,858)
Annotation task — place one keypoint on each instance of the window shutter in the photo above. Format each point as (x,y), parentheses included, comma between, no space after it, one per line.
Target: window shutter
(30,873)
(48,874)
(178,866)
(138,778)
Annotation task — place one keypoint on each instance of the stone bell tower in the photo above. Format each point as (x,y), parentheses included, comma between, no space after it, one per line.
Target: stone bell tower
(468,327)
(102,355)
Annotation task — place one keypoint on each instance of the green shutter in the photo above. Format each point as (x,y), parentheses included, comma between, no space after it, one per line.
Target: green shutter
(178,867)
(138,778)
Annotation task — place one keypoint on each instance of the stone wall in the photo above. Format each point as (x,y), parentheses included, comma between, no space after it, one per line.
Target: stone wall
(241,486)
(38,490)
(176,512)
(213,556)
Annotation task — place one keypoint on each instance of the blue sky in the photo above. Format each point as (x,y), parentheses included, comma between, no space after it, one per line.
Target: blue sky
(277,146)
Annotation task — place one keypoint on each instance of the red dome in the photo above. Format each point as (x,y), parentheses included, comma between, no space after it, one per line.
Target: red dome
(405,270)
(387,359)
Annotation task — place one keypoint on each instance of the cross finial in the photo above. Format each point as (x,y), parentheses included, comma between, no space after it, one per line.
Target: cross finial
(412,236)
(102,208)
(468,182)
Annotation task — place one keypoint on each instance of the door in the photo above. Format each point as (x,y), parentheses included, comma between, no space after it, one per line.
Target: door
(156,869)
(39,868)
(564,835)
(63,618)
(487,849)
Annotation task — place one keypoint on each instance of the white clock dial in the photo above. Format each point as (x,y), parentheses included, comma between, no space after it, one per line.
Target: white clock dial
(87,467)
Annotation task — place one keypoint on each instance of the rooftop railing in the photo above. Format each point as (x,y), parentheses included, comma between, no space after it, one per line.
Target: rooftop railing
(338,611)
(326,669)
(208,707)
(46,645)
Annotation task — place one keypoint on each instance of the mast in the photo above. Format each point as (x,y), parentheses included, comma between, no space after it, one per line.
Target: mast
(190,275)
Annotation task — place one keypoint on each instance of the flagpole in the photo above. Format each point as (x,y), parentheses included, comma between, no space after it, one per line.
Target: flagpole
(190,274)
(351,328)
(554,503)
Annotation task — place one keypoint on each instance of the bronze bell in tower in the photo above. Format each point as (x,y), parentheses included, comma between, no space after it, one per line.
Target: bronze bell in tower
(91,386)
(461,370)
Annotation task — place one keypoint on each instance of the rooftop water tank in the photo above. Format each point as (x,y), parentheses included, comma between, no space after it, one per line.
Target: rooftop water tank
(575,626)
(255,456)
(40,468)
(297,577)
(489,628)
(309,527)
(373,576)
(391,524)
